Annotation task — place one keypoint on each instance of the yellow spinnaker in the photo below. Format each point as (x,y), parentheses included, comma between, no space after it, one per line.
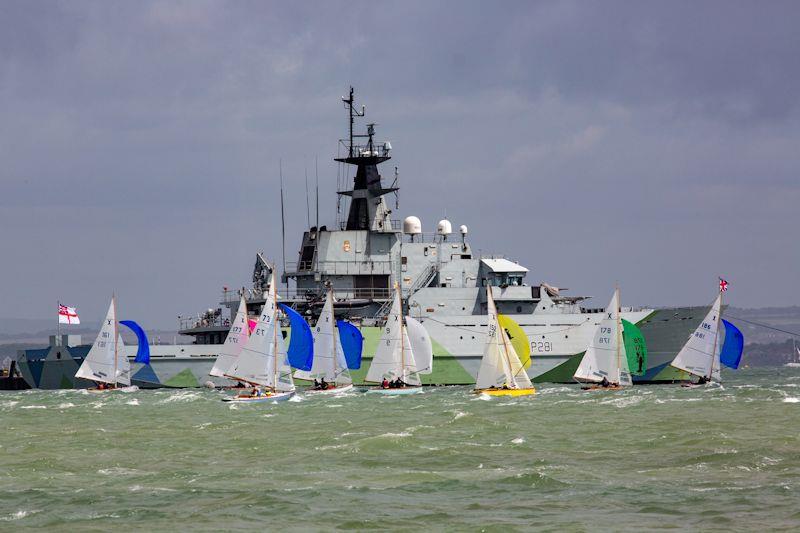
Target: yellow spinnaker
(519,340)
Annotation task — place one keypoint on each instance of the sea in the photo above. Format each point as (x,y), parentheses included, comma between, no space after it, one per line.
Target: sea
(717,458)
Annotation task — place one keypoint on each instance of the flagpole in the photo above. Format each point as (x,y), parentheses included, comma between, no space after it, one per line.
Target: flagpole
(58,316)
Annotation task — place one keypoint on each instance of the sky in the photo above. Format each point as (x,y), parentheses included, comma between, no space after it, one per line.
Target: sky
(651,144)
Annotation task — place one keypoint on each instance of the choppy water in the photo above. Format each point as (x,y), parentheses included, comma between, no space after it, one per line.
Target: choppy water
(650,457)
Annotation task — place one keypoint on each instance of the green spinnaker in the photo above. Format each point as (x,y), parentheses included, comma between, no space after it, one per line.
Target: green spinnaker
(635,348)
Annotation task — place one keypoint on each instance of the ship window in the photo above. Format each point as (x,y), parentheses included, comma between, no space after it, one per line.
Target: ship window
(519,309)
(425,250)
(404,260)
(58,355)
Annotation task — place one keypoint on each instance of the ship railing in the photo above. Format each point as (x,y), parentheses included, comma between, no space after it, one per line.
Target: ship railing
(339,268)
(192,322)
(309,294)
(378,149)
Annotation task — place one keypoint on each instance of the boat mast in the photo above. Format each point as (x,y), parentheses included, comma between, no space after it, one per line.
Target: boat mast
(402,345)
(333,329)
(275,326)
(716,336)
(499,331)
(619,339)
(116,337)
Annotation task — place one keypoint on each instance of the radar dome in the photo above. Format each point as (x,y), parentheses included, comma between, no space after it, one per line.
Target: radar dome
(412,226)
(444,227)
(463,229)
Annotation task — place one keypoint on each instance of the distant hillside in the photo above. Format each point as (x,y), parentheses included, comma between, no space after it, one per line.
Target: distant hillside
(769,354)
(748,320)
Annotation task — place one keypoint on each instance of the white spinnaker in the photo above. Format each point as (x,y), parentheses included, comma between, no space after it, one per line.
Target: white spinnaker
(699,356)
(99,362)
(234,342)
(500,365)
(394,356)
(421,345)
(605,357)
(256,363)
(329,361)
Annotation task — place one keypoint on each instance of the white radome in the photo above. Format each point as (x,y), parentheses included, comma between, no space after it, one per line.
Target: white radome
(412,226)
(444,227)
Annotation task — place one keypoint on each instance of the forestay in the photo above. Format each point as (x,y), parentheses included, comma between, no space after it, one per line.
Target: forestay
(700,355)
(394,356)
(500,366)
(234,342)
(605,357)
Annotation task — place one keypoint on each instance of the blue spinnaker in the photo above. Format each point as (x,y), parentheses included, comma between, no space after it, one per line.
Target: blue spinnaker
(732,348)
(301,342)
(352,343)
(143,353)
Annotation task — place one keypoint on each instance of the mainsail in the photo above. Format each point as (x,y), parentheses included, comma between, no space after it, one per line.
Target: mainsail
(605,357)
(234,342)
(329,357)
(394,356)
(500,366)
(263,360)
(700,355)
(106,361)
(421,345)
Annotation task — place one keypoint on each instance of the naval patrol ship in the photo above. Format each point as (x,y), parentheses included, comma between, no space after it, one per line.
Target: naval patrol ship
(443,284)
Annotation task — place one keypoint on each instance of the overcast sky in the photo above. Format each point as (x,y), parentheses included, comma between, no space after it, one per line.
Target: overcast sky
(654,144)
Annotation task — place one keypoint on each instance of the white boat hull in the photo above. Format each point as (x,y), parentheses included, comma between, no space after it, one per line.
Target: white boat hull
(396,392)
(279,397)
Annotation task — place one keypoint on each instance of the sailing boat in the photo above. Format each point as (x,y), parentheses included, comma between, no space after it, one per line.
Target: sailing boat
(705,352)
(234,342)
(605,363)
(106,363)
(501,372)
(393,365)
(263,361)
(329,370)
(795,355)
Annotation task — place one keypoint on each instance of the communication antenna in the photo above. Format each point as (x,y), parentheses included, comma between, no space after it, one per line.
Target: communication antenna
(283,225)
(353,114)
(316,174)
(308,209)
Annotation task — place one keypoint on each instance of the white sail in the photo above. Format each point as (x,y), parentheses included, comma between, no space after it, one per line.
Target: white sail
(234,342)
(262,360)
(329,361)
(394,356)
(123,364)
(500,366)
(421,345)
(99,364)
(700,355)
(605,357)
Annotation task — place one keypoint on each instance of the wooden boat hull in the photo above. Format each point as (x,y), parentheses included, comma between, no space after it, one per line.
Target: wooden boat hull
(506,392)
(600,387)
(396,392)
(129,388)
(330,391)
(278,397)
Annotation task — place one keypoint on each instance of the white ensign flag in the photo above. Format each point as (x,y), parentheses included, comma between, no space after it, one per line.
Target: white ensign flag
(67,315)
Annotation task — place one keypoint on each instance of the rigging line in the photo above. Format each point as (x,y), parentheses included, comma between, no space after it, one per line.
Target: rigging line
(308,208)
(760,324)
